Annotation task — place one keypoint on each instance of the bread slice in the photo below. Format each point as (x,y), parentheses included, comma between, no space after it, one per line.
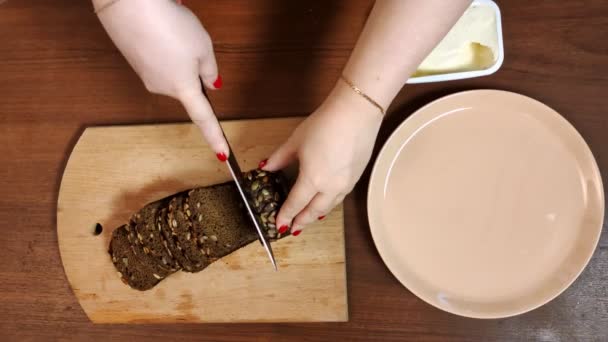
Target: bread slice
(150,236)
(181,226)
(219,219)
(130,268)
(170,240)
(143,253)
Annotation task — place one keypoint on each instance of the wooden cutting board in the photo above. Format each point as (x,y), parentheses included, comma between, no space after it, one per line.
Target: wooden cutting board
(114,171)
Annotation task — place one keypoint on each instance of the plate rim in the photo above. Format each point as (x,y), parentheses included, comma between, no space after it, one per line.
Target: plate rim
(374,178)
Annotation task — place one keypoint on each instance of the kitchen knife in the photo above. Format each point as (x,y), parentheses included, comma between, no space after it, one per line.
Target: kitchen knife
(237,176)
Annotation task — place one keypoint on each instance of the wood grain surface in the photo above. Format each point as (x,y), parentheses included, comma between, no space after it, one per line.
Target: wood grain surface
(59,73)
(115,170)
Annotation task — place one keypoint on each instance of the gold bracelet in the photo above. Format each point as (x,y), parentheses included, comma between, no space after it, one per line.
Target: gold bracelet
(106,5)
(358,91)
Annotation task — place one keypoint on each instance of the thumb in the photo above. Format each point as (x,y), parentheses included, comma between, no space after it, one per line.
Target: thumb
(283,156)
(208,70)
(202,115)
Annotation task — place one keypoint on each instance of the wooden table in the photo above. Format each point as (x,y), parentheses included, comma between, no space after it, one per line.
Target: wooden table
(59,73)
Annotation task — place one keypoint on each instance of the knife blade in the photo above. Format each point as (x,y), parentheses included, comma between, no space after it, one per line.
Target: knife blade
(237,176)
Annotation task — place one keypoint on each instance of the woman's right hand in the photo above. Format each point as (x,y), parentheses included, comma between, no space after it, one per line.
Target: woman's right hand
(169,49)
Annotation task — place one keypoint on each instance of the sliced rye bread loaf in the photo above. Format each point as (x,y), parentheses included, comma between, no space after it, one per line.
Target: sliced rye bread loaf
(220,229)
(130,268)
(150,236)
(143,252)
(198,227)
(170,240)
(181,225)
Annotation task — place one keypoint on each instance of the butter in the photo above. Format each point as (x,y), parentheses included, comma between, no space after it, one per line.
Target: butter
(472,44)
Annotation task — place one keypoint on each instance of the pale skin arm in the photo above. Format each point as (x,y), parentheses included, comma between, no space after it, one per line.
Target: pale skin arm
(99,4)
(397,37)
(334,144)
(171,52)
(169,49)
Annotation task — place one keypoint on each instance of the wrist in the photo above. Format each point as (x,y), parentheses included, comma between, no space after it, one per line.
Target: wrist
(361,93)
(100,5)
(346,98)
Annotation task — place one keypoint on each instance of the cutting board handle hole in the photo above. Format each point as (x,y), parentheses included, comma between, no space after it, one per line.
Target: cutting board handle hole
(98,229)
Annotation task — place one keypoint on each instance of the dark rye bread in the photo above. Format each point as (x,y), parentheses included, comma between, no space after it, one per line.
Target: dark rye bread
(149,235)
(186,238)
(170,240)
(143,253)
(267,192)
(197,228)
(220,229)
(130,269)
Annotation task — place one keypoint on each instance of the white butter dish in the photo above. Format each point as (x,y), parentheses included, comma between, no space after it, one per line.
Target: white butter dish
(457,75)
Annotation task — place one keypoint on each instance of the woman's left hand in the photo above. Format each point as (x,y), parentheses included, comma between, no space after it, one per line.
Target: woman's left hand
(333,146)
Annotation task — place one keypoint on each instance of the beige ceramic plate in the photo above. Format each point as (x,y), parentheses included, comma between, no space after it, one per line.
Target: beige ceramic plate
(486,204)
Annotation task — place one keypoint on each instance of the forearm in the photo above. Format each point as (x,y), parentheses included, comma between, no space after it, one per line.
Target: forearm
(100,4)
(397,37)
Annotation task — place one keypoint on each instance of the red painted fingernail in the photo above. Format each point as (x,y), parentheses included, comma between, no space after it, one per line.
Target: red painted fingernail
(283,229)
(218,82)
(221,156)
(321,217)
(296,233)
(262,163)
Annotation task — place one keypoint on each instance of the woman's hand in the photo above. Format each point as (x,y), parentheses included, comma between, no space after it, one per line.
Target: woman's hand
(333,146)
(169,49)
(334,143)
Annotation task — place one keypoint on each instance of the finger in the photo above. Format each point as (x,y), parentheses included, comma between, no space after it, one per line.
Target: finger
(208,68)
(202,115)
(298,198)
(281,157)
(339,199)
(320,205)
